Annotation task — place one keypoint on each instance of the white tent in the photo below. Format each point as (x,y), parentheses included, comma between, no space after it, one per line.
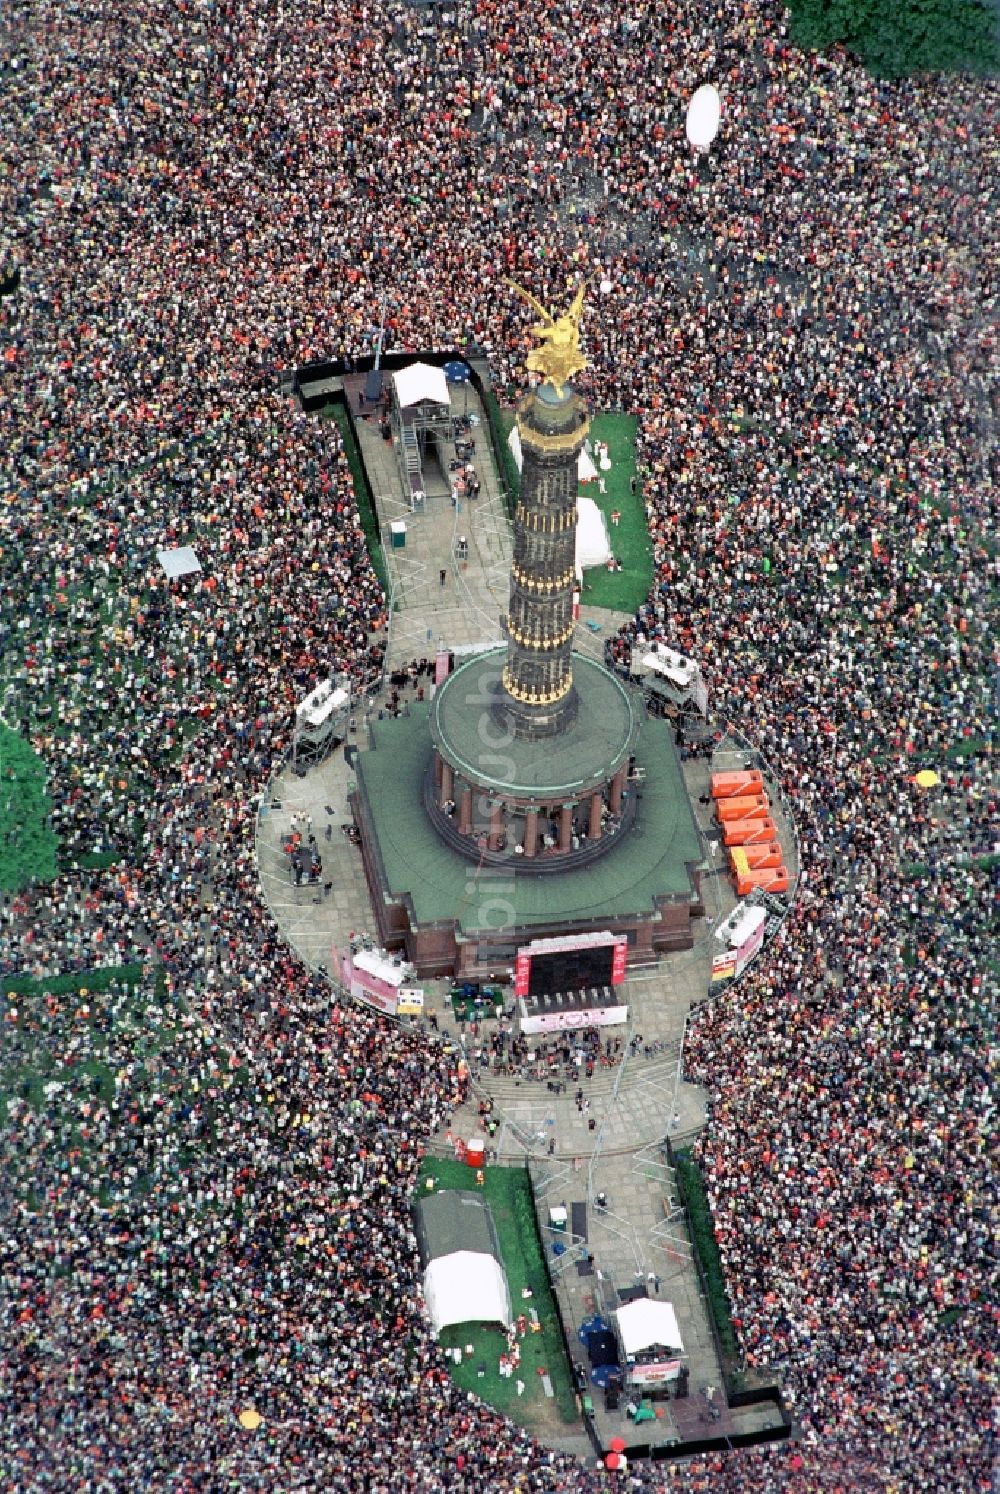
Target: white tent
(585,469)
(466,1287)
(592,544)
(180,562)
(419,382)
(645,1325)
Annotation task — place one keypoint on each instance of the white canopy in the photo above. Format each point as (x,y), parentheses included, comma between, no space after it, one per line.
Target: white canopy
(703,114)
(748,923)
(466,1287)
(647,1324)
(585,469)
(677,668)
(418,382)
(744,920)
(592,545)
(320,704)
(180,562)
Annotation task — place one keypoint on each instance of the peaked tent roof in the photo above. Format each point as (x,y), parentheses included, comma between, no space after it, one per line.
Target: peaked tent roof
(418,382)
(647,1324)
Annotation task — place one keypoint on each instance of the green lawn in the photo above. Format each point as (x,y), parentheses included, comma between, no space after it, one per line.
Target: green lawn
(337,412)
(76,1040)
(27,844)
(508,1193)
(624,590)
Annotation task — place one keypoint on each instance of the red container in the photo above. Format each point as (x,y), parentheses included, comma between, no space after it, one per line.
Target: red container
(728,785)
(743,808)
(475,1153)
(772,879)
(748,832)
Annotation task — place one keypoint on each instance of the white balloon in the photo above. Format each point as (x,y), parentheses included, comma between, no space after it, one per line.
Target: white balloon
(703,114)
(605,287)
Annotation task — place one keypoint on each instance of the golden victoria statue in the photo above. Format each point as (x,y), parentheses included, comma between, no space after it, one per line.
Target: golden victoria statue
(558,356)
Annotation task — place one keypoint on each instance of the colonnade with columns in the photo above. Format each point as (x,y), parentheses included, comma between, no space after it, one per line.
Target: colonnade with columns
(527,826)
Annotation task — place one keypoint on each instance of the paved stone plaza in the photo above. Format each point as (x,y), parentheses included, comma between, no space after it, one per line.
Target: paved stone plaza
(615,1146)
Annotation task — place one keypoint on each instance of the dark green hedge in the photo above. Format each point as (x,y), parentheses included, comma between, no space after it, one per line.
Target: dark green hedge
(897,38)
(362,493)
(499,430)
(691,1185)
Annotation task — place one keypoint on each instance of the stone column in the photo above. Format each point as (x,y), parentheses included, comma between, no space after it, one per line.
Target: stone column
(566,827)
(530,832)
(617,785)
(496,825)
(465,811)
(596,805)
(447,782)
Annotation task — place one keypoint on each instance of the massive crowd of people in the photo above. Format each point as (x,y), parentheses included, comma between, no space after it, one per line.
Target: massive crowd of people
(204,1204)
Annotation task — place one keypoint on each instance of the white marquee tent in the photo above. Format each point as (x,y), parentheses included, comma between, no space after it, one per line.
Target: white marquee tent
(592,544)
(420,382)
(464,1278)
(466,1287)
(647,1325)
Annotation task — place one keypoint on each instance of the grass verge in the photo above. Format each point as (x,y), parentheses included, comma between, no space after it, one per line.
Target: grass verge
(508,1193)
(691,1185)
(337,412)
(627,589)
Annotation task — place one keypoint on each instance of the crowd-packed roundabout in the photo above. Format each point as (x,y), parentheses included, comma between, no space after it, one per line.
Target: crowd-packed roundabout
(208,1264)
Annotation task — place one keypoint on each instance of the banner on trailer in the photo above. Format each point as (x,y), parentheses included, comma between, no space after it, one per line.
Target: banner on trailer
(522,973)
(724,965)
(376,992)
(618,961)
(664,1369)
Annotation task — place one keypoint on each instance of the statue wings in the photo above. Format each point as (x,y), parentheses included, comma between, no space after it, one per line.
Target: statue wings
(573,313)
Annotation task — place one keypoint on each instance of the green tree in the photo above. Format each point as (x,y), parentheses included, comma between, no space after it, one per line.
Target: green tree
(27,845)
(895,38)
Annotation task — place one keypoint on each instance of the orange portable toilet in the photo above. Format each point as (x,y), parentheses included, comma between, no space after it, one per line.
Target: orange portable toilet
(748,832)
(774,879)
(728,785)
(742,808)
(760,857)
